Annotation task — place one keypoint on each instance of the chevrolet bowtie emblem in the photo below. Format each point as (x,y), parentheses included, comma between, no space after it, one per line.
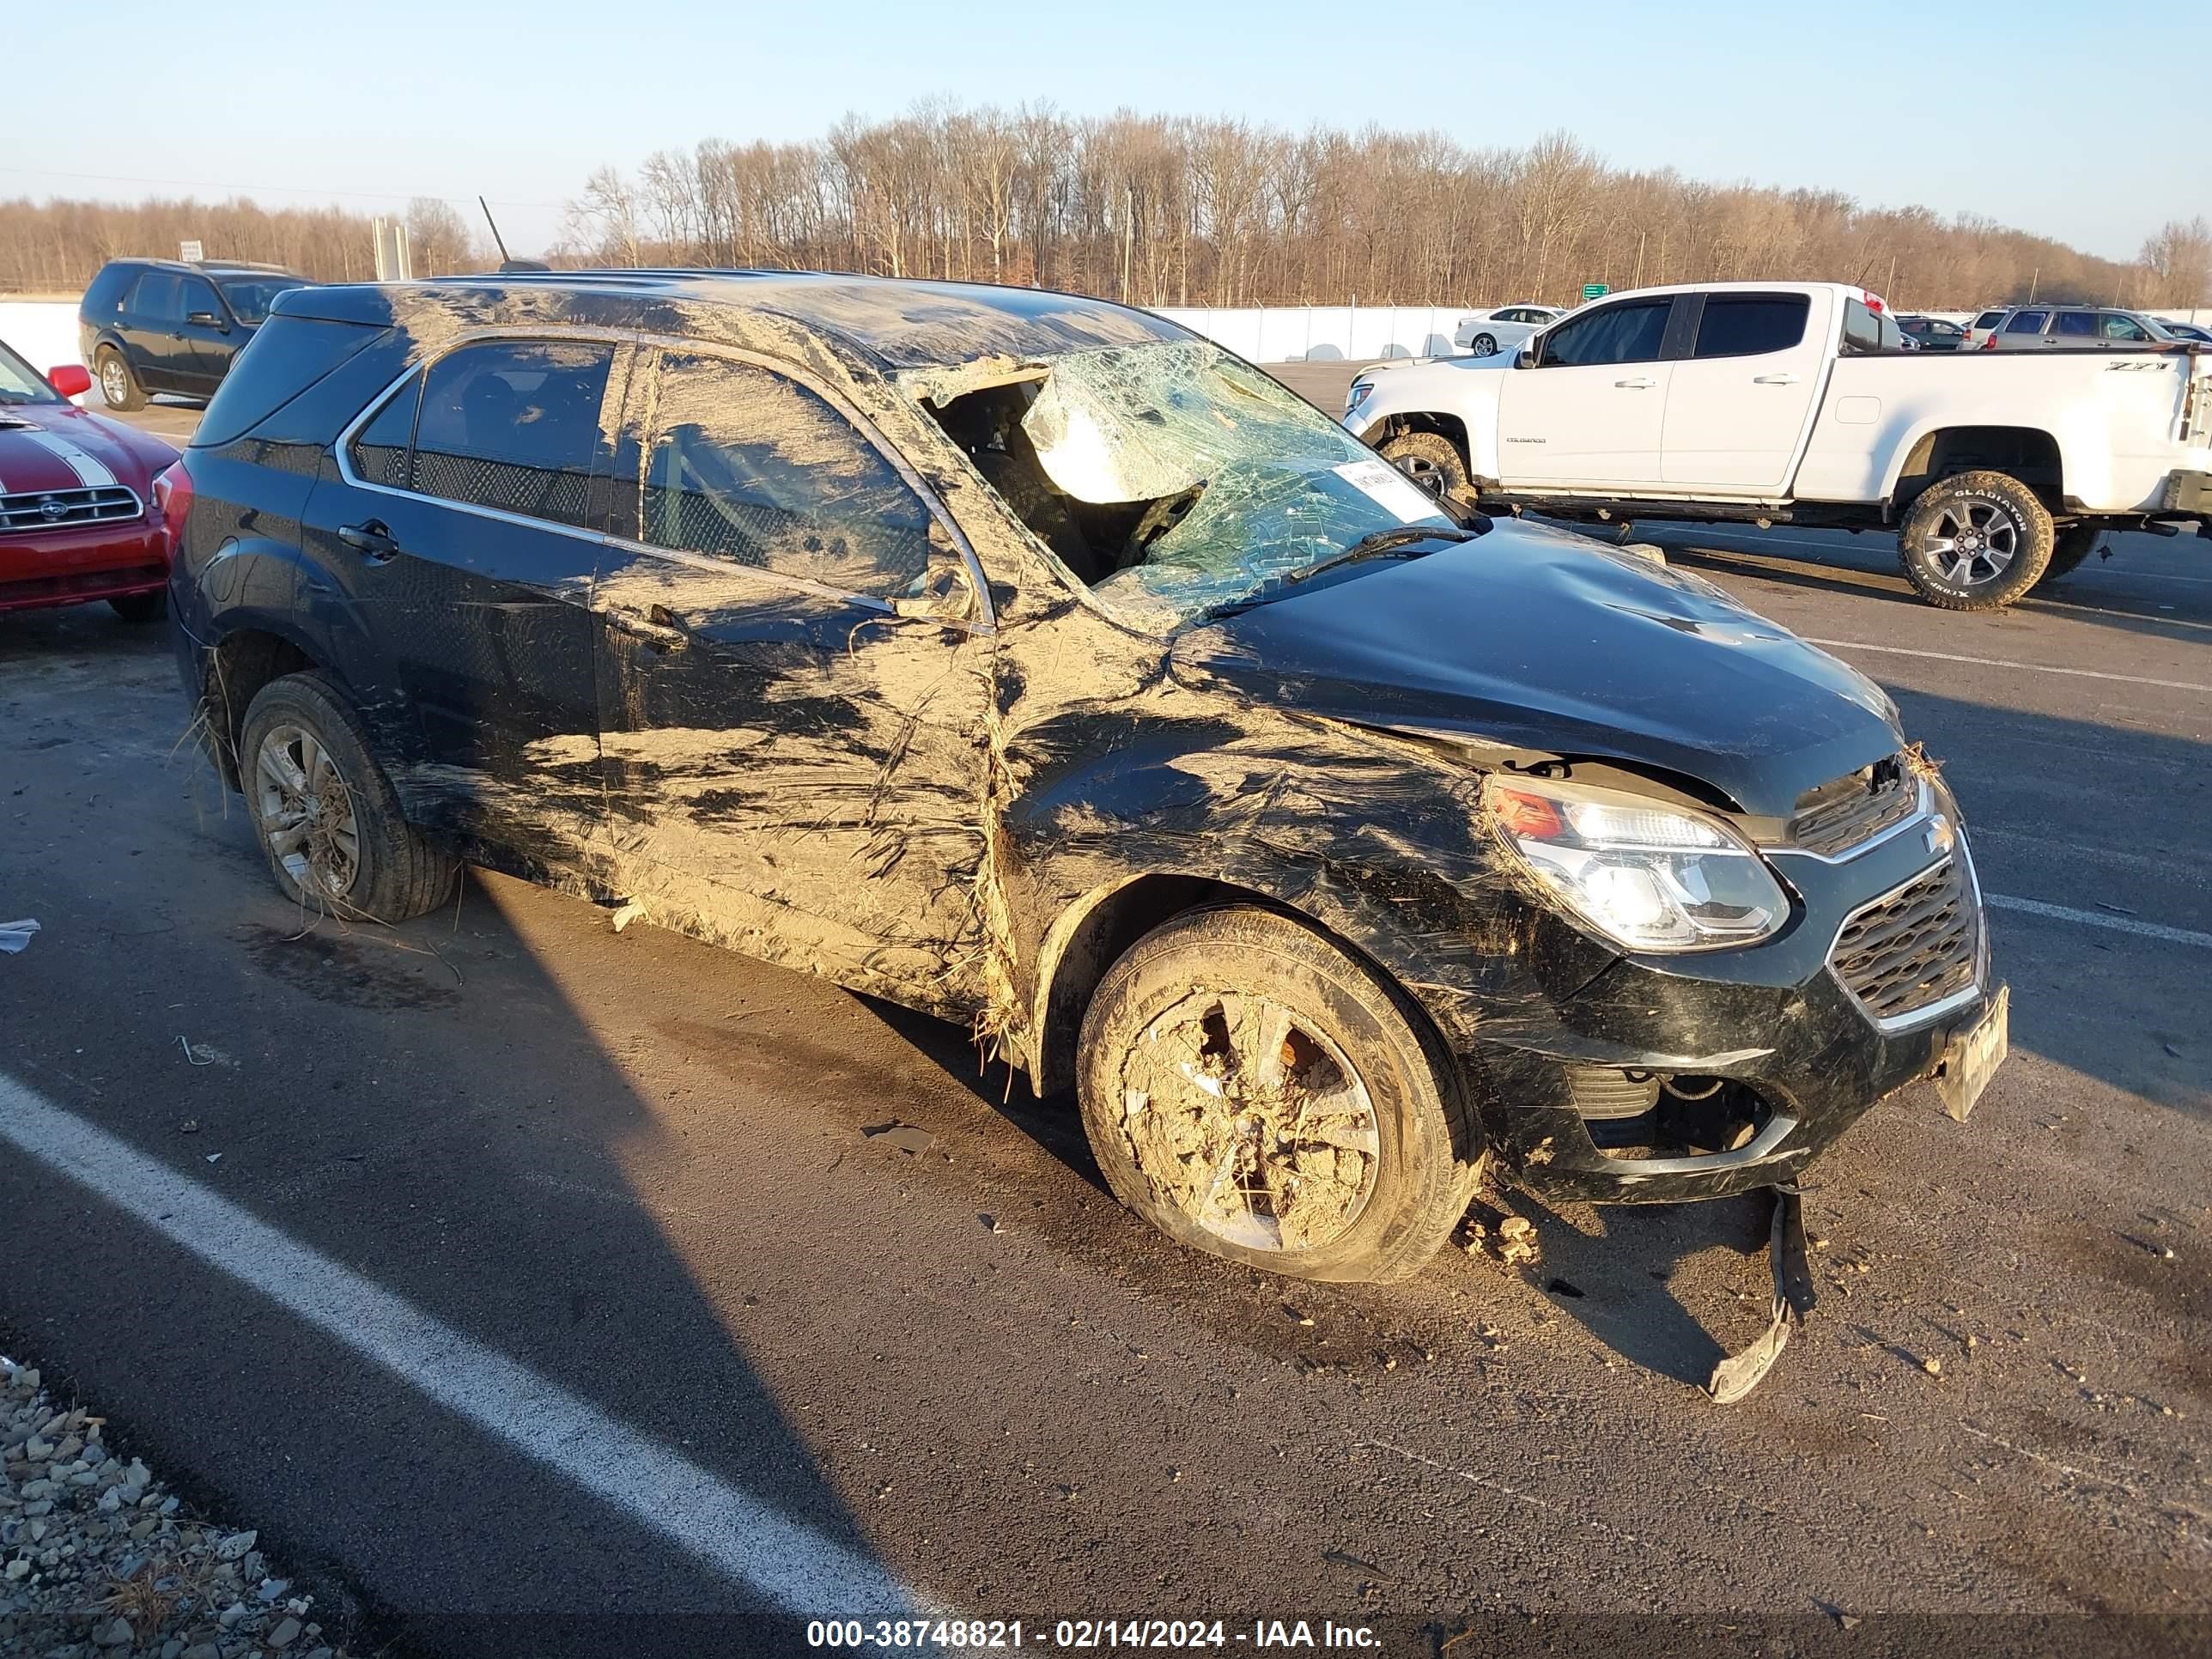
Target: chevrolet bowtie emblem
(1940,834)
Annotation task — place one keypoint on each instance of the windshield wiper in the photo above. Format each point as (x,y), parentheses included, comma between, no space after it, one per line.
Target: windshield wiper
(1379,544)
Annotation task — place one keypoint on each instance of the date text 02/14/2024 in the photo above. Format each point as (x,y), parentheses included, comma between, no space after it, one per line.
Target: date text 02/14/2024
(970,1635)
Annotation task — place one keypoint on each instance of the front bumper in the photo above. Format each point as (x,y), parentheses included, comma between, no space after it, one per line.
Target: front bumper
(1774,1019)
(67,566)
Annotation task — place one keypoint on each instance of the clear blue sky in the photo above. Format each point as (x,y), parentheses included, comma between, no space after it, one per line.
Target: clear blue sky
(2083,122)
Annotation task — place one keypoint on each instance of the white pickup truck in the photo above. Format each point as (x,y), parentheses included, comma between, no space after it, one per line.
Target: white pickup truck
(1773,402)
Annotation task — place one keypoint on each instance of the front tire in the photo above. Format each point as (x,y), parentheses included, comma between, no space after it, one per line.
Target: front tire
(1255,1093)
(1432,461)
(119,386)
(2072,545)
(142,608)
(326,815)
(1976,541)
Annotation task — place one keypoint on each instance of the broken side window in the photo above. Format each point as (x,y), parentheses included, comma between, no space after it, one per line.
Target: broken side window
(743,464)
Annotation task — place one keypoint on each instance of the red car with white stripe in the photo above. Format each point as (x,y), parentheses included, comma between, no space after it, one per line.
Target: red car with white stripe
(78,518)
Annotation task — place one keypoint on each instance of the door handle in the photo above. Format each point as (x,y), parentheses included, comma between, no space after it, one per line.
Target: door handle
(1641,383)
(659,629)
(1774,379)
(372,540)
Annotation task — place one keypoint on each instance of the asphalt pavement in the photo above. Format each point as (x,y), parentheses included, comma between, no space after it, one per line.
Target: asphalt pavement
(535,1289)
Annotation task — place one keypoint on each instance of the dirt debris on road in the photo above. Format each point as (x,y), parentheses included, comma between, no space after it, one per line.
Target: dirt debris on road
(97,1561)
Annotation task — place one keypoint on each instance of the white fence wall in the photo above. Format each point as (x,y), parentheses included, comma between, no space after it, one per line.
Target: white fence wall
(42,330)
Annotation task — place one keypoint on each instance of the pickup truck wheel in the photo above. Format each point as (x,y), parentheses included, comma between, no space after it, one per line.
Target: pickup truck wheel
(1975,542)
(1256,1094)
(1432,461)
(326,815)
(2073,544)
(119,386)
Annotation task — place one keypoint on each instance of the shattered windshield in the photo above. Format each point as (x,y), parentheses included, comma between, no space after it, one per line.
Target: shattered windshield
(1175,480)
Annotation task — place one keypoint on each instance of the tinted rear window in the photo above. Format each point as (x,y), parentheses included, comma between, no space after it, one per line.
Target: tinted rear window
(1749,325)
(2028,322)
(286,355)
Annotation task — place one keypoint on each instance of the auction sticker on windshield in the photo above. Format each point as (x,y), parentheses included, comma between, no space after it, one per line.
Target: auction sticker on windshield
(1391,489)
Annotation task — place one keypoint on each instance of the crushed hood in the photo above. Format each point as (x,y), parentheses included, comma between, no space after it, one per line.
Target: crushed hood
(1533,639)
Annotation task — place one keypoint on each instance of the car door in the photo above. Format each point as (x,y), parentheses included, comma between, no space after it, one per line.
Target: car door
(1738,406)
(2117,328)
(1589,410)
(206,337)
(152,329)
(464,533)
(794,682)
(2077,329)
(2022,331)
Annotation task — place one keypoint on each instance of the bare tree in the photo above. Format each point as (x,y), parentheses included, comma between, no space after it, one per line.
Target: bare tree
(2177,265)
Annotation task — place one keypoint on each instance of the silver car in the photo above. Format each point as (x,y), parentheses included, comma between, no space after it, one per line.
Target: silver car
(2027,328)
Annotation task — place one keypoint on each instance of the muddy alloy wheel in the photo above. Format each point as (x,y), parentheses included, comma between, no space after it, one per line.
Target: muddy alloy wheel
(119,387)
(1255,1094)
(1483,345)
(306,813)
(325,813)
(1432,461)
(1975,542)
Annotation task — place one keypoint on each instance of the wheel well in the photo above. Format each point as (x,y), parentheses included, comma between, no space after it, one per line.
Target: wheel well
(2018,452)
(239,666)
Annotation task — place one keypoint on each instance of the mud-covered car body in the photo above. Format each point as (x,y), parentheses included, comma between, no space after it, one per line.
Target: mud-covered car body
(968,785)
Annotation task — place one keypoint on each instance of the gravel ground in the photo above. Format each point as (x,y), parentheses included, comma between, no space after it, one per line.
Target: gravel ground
(101,1560)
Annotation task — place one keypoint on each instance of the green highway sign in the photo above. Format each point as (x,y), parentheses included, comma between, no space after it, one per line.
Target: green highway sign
(1594,290)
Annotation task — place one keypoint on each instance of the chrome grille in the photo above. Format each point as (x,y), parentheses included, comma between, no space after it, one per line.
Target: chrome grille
(1913,947)
(65,510)
(1854,808)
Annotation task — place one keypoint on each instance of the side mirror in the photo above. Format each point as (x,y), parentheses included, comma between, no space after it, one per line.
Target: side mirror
(1525,358)
(942,593)
(70,379)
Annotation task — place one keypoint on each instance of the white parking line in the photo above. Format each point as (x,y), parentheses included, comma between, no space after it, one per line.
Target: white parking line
(2097,918)
(2006,662)
(809,1574)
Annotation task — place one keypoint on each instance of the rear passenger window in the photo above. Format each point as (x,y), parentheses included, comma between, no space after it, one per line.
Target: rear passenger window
(746,466)
(514,425)
(159,297)
(2076,326)
(380,449)
(2027,322)
(1748,325)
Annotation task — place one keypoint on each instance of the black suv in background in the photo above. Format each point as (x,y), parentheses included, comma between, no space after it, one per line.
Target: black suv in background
(1029,661)
(149,325)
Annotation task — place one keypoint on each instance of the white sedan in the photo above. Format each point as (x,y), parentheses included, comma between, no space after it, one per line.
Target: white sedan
(1487,334)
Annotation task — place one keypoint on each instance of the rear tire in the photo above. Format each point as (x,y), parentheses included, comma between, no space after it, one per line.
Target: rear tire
(119,386)
(326,815)
(1432,461)
(1976,541)
(1483,345)
(2069,549)
(1255,1093)
(140,608)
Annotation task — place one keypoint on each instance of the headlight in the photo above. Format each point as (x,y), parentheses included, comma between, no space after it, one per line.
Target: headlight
(1652,878)
(1357,395)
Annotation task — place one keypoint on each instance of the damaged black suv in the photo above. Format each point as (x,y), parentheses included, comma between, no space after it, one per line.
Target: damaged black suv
(1027,660)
